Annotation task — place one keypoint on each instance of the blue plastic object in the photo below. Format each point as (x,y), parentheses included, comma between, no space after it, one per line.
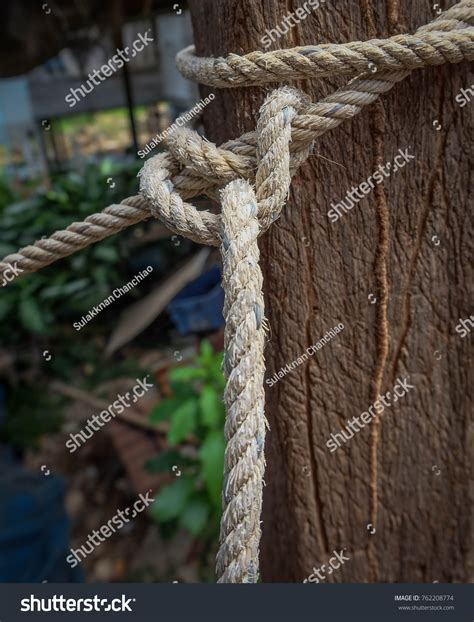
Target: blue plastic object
(34,527)
(198,306)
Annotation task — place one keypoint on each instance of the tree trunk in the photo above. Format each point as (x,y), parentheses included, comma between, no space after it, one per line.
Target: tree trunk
(407,244)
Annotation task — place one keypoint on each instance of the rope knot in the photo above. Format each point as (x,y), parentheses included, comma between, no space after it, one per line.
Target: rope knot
(189,153)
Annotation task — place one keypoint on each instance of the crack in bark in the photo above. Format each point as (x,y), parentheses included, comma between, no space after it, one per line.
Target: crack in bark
(393,10)
(382,327)
(314,465)
(382,287)
(421,227)
(382,331)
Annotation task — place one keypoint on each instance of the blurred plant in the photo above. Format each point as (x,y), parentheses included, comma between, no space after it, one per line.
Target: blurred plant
(30,415)
(39,306)
(7,194)
(37,311)
(77,282)
(196,421)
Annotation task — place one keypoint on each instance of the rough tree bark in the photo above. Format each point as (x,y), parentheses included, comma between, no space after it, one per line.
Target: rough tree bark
(318,274)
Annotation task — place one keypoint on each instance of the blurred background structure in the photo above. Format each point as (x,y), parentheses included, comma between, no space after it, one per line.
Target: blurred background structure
(125,110)
(59,163)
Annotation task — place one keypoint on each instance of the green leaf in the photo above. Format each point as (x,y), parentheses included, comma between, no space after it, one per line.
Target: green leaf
(211,407)
(63,290)
(31,316)
(195,516)
(206,352)
(164,410)
(185,374)
(171,500)
(164,462)
(183,421)
(106,166)
(19,207)
(212,461)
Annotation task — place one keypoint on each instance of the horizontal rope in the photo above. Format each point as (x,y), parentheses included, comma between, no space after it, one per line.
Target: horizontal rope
(436,45)
(78,235)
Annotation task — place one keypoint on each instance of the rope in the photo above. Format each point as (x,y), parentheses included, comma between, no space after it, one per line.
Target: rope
(244,368)
(287,126)
(399,53)
(244,396)
(78,235)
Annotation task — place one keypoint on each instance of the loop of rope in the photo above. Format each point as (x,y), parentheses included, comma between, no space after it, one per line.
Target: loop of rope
(287,126)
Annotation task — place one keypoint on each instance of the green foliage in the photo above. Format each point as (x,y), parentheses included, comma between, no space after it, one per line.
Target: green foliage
(35,303)
(7,194)
(38,307)
(196,421)
(171,500)
(211,455)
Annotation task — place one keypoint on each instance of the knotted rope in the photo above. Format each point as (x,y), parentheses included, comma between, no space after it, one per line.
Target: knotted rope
(287,126)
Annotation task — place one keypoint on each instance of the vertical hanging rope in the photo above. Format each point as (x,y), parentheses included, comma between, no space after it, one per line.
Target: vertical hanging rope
(244,397)
(244,214)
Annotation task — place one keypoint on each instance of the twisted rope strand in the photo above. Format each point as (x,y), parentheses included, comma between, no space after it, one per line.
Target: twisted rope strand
(438,44)
(244,396)
(244,213)
(78,235)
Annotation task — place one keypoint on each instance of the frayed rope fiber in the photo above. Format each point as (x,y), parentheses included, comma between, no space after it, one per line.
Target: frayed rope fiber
(287,126)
